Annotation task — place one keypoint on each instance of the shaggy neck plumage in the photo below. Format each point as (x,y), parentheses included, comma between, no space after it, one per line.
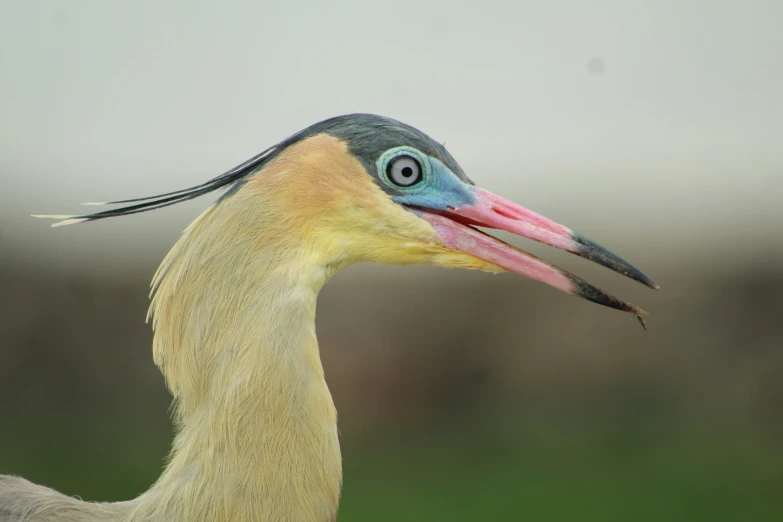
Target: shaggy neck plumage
(257,435)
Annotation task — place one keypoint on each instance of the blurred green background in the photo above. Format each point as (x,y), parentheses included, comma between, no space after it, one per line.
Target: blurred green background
(654,129)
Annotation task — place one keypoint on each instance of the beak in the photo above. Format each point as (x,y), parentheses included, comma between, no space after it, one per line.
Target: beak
(455,225)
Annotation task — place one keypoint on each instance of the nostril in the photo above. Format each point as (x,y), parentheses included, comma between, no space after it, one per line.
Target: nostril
(503,213)
(452,208)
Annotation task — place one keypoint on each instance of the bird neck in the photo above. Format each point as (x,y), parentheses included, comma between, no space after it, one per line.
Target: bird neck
(257,428)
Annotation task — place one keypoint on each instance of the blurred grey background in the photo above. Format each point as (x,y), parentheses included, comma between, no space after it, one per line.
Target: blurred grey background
(654,128)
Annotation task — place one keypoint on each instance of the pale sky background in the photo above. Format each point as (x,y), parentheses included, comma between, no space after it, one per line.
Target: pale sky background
(655,126)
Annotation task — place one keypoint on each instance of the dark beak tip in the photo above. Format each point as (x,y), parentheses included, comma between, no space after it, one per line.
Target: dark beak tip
(643,278)
(587,291)
(649,283)
(591,250)
(637,275)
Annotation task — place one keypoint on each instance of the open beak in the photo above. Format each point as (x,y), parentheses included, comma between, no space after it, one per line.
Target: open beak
(455,225)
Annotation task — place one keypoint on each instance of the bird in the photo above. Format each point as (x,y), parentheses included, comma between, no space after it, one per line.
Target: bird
(233,308)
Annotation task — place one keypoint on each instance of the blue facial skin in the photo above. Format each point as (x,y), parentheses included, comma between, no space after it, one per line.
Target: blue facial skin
(439,188)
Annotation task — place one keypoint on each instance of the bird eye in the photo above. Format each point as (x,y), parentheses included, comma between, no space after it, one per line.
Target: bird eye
(404,171)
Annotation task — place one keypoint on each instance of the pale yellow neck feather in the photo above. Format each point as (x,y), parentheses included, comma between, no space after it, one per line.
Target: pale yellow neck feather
(234,319)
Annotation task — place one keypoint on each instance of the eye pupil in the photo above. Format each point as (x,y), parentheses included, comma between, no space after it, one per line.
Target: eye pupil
(407,172)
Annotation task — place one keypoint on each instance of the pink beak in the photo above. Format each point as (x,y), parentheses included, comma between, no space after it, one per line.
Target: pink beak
(455,228)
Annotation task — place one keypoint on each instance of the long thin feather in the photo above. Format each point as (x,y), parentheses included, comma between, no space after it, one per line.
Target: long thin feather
(169,198)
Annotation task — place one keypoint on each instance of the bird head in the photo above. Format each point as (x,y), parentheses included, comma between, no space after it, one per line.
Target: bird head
(364,188)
